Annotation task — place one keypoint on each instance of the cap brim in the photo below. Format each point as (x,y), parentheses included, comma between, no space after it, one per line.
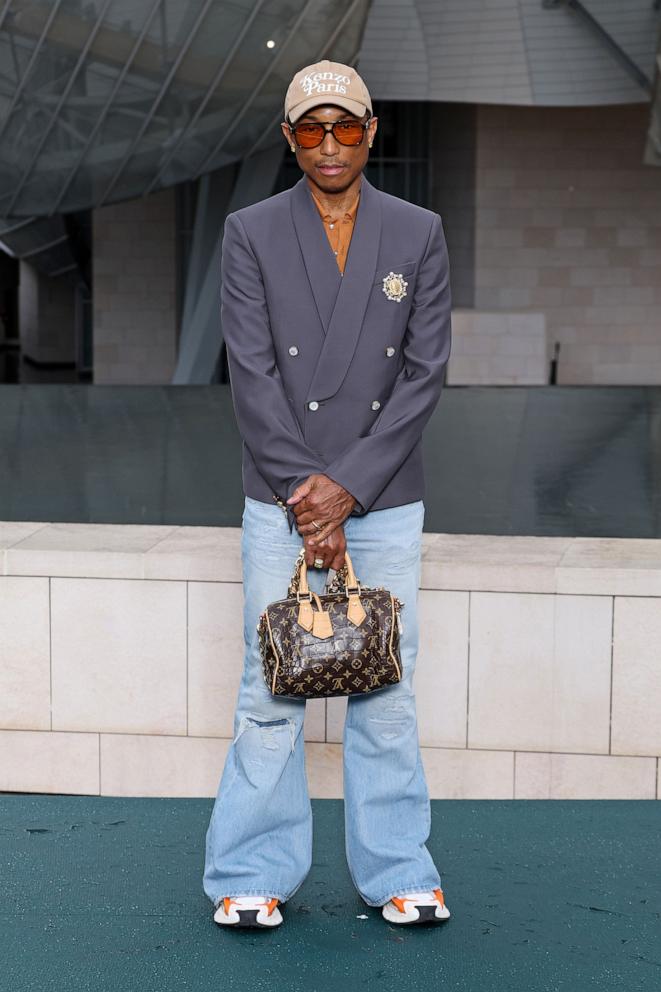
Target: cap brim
(336,101)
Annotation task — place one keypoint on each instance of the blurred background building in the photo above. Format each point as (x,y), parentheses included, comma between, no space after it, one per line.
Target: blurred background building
(129,128)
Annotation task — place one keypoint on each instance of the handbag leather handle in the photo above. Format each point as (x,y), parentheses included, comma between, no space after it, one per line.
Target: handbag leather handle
(313,621)
(351,583)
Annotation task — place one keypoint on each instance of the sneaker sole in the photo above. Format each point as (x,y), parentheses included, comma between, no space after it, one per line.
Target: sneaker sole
(426,914)
(248,918)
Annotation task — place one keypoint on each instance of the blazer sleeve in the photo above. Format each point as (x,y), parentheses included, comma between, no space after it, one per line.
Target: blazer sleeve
(264,415)
(368,463)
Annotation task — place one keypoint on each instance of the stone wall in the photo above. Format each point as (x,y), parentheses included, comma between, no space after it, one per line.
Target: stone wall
(47,316)
(497,349)
(568,222)
(538,675)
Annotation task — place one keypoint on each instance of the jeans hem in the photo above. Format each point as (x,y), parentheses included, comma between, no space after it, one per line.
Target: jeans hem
(403,890)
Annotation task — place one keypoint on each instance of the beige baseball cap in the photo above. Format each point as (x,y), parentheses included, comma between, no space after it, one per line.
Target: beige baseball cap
(326,82)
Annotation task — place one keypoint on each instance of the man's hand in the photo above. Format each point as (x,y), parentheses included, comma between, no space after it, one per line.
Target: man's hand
(323,500)
(331,550)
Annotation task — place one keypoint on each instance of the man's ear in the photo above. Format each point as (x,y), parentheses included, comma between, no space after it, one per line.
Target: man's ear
(287,135)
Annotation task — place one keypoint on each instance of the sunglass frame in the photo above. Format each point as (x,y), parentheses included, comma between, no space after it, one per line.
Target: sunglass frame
(330,127)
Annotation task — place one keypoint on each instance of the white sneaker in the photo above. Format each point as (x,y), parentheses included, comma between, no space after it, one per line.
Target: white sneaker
(248,911)
(416,907)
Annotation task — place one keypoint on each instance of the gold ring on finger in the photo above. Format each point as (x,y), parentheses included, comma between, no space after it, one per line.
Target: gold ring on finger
(318,526)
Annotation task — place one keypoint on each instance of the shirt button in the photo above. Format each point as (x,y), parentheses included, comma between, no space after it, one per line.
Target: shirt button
(389,352)
(331,225)
(293,350)
(313,405)
(335,253)
(375,404)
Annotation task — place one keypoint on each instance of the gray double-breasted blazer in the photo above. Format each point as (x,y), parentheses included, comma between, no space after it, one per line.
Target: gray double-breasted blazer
(327,373)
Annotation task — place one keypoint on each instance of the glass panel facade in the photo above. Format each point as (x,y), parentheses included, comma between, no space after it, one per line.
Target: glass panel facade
(109,99)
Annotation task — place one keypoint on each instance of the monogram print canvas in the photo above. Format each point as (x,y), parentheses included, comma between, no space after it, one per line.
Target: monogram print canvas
(353,659)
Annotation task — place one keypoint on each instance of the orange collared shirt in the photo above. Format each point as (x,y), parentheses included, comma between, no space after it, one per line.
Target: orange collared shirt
(339,229)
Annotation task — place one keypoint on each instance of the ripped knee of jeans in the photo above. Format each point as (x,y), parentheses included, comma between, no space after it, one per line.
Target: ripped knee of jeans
(394,716)
(270,730)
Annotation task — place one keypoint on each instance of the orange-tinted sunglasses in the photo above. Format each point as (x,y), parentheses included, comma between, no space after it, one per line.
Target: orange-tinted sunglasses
(310,134)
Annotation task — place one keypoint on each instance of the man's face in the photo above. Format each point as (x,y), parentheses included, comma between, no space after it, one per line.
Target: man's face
(331,165)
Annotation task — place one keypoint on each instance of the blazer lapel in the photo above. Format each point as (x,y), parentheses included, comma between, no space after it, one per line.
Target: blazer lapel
(346,321)
(320,264)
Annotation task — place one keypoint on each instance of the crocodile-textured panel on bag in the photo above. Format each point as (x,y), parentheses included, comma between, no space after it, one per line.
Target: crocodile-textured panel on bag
(351,661)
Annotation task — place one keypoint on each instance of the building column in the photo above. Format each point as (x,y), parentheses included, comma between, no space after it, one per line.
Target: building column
(134,277)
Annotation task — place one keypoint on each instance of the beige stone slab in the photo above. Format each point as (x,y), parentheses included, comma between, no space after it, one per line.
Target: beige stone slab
(141,765)
(13,531)
(323,767)
(314,727)
(42,761)
(463,774)
(119,655)
(336,713)
(583,776)
(492,562)
(539,672)
(84,550)
(636,720)
(24,653)
(612,566)
(440,680)
(197,553)
(215,656)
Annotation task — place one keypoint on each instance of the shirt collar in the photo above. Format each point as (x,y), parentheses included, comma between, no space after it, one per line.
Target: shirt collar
(350,213)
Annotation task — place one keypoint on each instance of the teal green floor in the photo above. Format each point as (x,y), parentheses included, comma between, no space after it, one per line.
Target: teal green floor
(105,894)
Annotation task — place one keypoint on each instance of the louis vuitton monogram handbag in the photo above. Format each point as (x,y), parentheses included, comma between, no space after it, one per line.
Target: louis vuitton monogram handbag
(341,643)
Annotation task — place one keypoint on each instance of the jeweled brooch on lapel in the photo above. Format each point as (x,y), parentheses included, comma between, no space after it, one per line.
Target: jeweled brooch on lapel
(394,286)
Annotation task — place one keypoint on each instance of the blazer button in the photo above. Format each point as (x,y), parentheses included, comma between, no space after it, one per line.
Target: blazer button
(293,350)
(375,404)
(313,405)
(389,351)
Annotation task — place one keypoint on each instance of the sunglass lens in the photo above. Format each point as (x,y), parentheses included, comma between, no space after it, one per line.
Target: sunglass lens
(348,132)
(309,135)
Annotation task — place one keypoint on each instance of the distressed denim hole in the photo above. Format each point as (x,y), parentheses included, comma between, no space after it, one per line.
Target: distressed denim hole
(393,717)
(269,730)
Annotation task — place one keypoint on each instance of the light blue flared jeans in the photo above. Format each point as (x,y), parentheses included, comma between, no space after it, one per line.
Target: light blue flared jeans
(259,839)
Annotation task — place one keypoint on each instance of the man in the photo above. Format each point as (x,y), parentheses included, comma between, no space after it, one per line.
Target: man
(336,315)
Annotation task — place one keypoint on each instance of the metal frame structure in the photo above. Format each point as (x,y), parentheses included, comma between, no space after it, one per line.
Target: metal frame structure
(33,58)
(159,97)
(109,102)
(59,52)
(60,103)
(207,163)
(213,87)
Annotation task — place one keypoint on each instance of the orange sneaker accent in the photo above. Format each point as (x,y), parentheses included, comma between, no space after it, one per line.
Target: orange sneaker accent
(439,895)
(228,901)
(399,902)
